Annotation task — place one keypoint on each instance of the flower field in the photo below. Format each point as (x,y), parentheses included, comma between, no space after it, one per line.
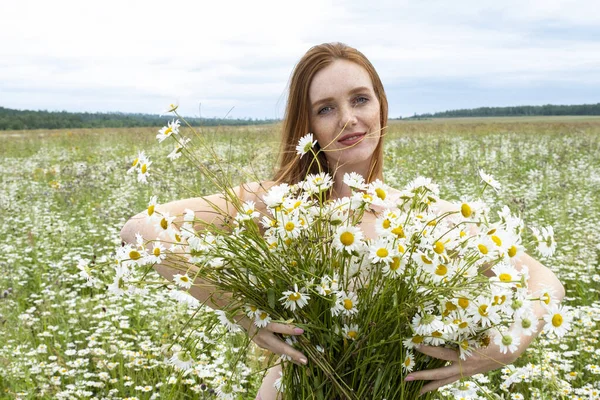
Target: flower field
(66,194)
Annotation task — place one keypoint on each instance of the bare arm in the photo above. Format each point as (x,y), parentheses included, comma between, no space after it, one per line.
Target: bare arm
(211,210)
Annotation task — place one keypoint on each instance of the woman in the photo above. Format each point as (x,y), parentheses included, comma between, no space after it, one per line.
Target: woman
(336,94)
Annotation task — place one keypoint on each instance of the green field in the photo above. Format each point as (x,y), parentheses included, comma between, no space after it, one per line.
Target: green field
(66,194)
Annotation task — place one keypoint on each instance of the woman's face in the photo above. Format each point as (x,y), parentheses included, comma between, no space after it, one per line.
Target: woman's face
(345,115)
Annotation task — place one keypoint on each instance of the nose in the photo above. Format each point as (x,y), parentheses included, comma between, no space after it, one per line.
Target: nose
(347,117)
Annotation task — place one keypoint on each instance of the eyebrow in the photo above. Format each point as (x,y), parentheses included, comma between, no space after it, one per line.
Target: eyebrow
(353,91)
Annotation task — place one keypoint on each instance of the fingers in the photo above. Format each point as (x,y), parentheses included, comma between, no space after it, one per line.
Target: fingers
(435,374)
(439,352)
(285,329)
(278,346)
(438,384)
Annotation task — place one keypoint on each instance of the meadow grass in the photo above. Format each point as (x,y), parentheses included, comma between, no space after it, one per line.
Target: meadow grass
(66,194)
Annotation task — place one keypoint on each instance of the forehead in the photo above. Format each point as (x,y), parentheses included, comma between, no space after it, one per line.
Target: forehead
(337,79)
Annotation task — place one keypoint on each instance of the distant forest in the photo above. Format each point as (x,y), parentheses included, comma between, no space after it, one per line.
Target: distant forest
(516,111)
(25,119)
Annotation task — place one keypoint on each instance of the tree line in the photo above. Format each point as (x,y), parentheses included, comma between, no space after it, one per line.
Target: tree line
(26,119)
(516,111)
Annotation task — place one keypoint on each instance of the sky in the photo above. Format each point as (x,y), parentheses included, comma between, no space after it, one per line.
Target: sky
(234,58)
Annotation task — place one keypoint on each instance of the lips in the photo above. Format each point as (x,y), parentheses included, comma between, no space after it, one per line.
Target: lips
(351,138)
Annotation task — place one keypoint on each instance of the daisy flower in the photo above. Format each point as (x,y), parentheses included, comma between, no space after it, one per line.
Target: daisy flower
(546,244)
(143,172)
(345,304)
(182,360)
(489,180)
(305,144)
(275,195)
(261,319)
(172,128)
(316,183)
(157,254)
(225,321)
(137,162)
(295,298)
(508,341)
(355,181)
(394,268)
(350,331)
(150,211)
(183,281)
(409,362)
(348,238)
(381,251)
(558,321)
(379,191)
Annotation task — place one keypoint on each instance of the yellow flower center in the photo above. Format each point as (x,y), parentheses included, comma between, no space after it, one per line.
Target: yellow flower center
(398,231)
(185,278)
(367,197)
(418,339)
(294,296)
(289,226)
(437,334)
(438,247)
(263,315)
(482,248)
(426,260)
(504,277)
(463,302)
(348,304)
(347,238)
(463,234)
(380,193)
(441,270)
(156,251)
(134,163)
(168,131)
(497,240)
(463,325)
(134,255)
(450,306)
(483,310)
(512,251)
(546,298)
(395,263)
(557,320)
(386,223)
(164,224)
(144,168)
(401,248)
(382,252)
(352,334)
(407,361)
(465,210)
(151,209)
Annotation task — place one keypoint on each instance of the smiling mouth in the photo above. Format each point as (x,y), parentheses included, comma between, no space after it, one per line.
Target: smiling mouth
(351,138)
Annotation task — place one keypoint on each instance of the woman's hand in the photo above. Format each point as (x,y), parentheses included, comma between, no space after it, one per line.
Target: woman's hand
(482,360)
(267,339)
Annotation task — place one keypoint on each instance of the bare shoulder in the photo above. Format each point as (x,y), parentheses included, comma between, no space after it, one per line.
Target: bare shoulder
(444,206)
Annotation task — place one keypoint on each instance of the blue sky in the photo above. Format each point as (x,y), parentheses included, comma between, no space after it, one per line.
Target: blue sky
(138,56)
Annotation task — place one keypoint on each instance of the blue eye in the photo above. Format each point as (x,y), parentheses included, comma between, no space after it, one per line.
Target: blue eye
(361,100)
(324,110)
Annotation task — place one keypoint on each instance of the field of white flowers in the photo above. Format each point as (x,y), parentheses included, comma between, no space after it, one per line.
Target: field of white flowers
(65,196)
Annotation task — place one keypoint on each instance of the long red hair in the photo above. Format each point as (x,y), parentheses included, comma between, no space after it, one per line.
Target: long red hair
(296,121)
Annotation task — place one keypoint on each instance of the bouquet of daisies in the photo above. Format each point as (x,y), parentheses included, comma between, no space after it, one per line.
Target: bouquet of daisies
(365,298)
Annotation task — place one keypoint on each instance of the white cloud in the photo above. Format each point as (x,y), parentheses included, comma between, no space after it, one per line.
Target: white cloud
(139,55)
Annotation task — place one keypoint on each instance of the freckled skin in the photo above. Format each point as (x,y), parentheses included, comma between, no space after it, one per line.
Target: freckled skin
(350,107)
